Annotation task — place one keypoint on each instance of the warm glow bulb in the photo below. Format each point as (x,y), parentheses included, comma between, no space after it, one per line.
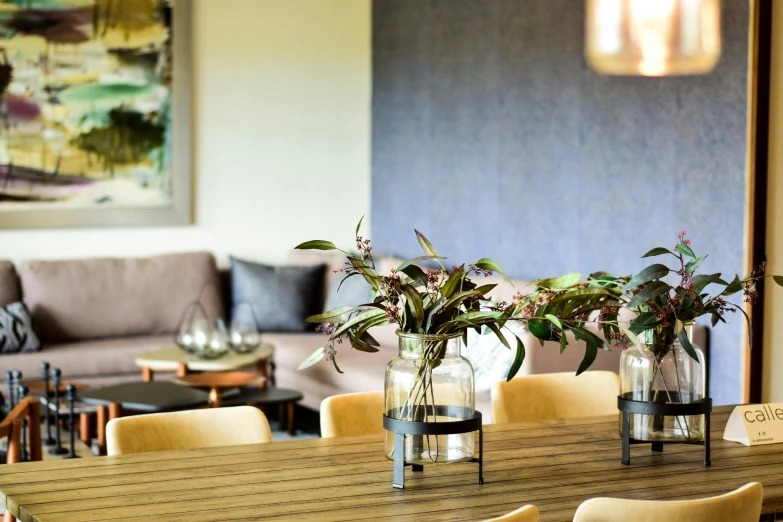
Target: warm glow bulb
(653,37)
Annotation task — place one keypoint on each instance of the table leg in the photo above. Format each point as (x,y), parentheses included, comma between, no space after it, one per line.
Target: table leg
(290,419)
(147,375)
(101,419)
(182,370)
(214,397)
(84,428)
(115,411)
(262,368)
(281,414)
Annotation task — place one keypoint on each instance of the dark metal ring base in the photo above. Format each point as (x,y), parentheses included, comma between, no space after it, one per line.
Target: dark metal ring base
(628,406)
(471,423)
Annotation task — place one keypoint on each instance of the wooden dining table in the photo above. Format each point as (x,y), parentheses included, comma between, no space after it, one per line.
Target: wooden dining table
(555,465)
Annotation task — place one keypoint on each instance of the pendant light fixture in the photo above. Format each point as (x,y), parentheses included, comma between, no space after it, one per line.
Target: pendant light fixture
(653,37)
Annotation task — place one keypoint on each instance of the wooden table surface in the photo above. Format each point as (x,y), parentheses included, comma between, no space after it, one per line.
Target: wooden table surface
(555,465)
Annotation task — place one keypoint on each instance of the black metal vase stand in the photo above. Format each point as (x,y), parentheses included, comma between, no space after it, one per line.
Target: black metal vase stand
(471,422)
(699,407)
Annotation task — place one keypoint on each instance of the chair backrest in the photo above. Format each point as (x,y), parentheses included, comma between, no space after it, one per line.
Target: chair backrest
(527,513)
(11,427)
(352,414)
(189,429)
(555,396)
(741,505)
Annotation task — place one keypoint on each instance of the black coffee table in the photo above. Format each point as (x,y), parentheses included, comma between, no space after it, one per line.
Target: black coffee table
(269,396)
(149,397)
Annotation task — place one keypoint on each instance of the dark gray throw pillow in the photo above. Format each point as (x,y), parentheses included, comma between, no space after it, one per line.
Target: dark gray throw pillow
(280,297)
(16,330)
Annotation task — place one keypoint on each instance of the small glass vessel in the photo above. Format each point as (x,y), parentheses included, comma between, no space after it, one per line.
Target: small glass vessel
(663,373)
(430,370)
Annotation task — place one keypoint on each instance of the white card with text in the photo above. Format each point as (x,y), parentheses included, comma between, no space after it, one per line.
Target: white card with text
(755,424)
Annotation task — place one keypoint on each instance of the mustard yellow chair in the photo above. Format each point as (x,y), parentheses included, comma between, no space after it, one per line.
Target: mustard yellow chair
(190,429)
(741,505)
(527,513)
(352,414)
(555,396)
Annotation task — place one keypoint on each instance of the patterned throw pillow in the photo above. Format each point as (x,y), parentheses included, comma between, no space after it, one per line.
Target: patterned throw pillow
(16,330)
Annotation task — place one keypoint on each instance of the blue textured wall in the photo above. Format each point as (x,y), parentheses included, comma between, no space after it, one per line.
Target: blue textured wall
(493,137)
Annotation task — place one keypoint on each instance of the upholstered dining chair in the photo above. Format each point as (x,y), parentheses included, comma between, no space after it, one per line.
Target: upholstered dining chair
(555,396)
(189,429)
(527,513)
(741,505)
(11,427)
(352,414)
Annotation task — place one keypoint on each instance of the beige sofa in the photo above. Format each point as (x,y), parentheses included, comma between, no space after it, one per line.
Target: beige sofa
(94,316)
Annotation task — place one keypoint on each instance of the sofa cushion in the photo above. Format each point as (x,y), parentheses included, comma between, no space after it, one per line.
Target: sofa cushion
(281,297)
(9,284)
(88,359)
(16,330)
(94,298)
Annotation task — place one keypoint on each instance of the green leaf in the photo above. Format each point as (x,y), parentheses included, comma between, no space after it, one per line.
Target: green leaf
(426,245)
(316,245)
(417,306)
(362,346)
(331,314)
(580,294)
(563,281)
(650,273)
(539,329)
(554,320)
(643,322)
(686,344)
(588,337)
(518,359)
(734,287)
(700,281)
(487,264)
(591,351)
(651,290)
(632,337)
(685,249)
(359,226)
(563,342)
(453,282)
(415,260)
(334,361)
(358,319)
(454,299)
(778,280)
(691,266)
(371,277)
(314,358)
(499,334)
(415,273)
(657,251)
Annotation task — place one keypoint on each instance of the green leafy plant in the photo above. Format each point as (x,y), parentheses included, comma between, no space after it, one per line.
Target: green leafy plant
(659,308)
(437,301)
(417,298)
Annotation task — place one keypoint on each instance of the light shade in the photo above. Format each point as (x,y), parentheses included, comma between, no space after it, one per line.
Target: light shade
(653,37)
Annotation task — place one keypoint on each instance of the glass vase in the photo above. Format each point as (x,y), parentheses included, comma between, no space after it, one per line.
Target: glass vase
(663,373)
(430,374)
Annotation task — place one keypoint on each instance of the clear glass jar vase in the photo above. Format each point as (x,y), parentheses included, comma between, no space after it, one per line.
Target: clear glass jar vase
(662,372)
(430,374)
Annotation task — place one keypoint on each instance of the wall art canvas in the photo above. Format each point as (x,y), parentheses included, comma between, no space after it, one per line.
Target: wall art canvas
(89,114)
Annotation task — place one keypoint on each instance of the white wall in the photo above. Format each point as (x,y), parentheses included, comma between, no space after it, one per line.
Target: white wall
(772,381)
(282,138)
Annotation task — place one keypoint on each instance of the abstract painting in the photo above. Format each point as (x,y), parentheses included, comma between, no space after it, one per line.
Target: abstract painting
(87,113)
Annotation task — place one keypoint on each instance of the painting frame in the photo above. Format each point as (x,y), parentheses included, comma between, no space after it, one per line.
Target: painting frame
(180,211)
